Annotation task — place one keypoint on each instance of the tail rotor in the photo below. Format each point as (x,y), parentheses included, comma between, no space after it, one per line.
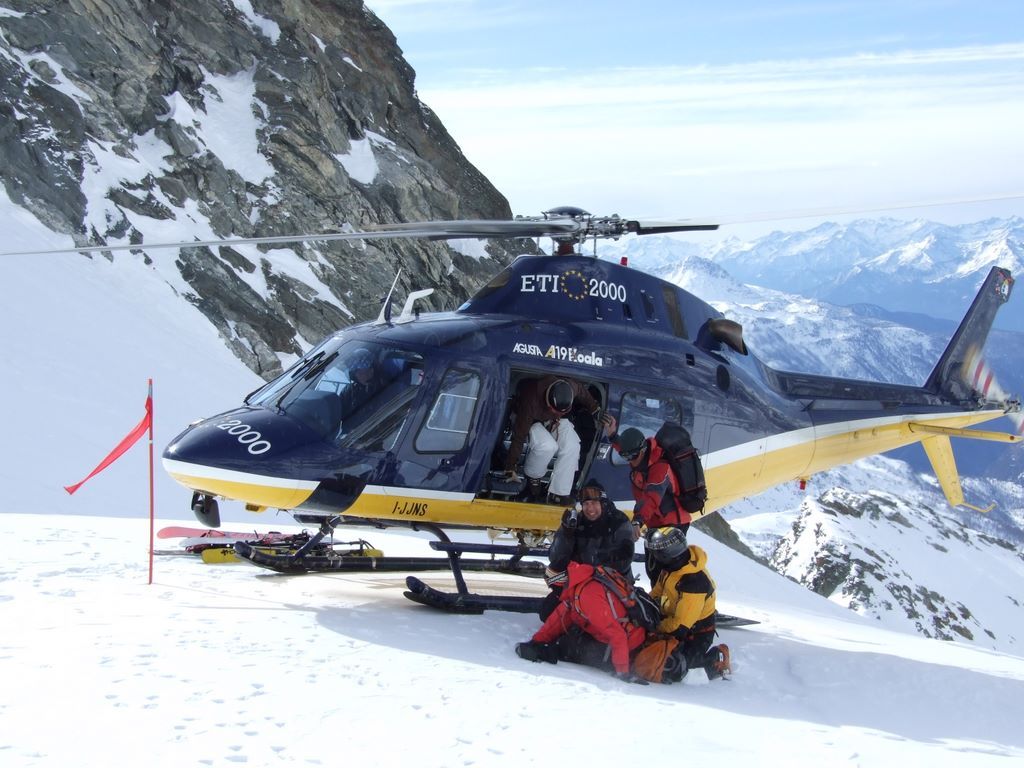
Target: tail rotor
(978,375)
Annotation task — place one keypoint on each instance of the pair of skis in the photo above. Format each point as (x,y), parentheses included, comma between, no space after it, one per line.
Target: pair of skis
(277,552)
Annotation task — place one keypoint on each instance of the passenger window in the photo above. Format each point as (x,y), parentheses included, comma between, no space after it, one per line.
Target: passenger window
(447,424)
(648,414)
(649,311)
(672,308)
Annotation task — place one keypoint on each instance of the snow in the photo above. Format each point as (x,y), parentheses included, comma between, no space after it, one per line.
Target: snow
(359,162)
(267,27)
(224,665)
(474,249)
(230,128)
(81,337)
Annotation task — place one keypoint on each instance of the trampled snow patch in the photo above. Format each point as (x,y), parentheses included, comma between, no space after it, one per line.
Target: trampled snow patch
(222,665)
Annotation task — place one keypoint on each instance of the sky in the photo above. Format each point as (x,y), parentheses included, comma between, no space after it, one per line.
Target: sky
(230,665)
(737,110)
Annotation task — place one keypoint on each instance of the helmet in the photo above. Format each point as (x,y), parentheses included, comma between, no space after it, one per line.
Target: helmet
(559,396)
(591,491)
(360,359)
(667,544)
(631,443)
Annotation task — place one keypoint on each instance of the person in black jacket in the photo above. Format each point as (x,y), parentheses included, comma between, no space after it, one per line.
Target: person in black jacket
(594,532)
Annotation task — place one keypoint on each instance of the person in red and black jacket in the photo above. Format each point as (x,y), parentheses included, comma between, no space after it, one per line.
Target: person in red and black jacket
(594,532)
(655,486)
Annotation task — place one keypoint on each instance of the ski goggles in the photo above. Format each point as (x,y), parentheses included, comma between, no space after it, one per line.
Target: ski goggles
(589,493)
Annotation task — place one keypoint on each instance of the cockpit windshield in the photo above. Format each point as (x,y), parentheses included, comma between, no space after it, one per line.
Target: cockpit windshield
(341,386)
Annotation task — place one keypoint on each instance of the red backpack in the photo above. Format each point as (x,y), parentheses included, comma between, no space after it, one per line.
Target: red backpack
(641,609)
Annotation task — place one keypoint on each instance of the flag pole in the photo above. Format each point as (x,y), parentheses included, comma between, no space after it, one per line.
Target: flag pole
(152,515)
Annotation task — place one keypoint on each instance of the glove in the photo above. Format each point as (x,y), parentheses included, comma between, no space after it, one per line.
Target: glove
(570,519)
(528,651)
(555,578)
(631,677)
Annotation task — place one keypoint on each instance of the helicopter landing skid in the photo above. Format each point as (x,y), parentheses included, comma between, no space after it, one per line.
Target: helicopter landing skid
(468,602)
(464,601)
(354,562)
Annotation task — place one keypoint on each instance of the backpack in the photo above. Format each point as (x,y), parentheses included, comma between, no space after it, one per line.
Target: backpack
(642,610)
(651,660)
(682,458)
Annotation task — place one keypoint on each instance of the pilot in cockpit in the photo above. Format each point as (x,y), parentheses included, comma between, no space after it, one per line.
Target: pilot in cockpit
(365,380)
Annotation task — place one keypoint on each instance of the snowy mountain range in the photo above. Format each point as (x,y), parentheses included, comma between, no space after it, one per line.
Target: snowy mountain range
(907,266)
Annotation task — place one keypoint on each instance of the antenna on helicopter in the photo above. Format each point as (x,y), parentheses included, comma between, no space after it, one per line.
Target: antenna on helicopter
(385,311)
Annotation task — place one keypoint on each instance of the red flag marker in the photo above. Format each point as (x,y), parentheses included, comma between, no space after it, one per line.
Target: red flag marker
(130,439)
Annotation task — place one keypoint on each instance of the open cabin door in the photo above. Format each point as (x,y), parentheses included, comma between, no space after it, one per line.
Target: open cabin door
(493,485)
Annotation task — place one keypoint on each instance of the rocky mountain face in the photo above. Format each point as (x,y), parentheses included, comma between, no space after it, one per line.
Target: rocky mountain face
(130,121)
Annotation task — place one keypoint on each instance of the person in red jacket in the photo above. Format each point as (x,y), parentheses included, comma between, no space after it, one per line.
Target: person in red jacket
(589,606)
(655,486)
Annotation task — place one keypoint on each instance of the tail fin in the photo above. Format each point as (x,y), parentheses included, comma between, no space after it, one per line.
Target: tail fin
(950,378)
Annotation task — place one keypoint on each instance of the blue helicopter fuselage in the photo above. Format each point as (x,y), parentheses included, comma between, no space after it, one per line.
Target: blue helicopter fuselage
(424,436)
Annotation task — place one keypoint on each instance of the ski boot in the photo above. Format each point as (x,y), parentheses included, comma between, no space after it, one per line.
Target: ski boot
(718,665)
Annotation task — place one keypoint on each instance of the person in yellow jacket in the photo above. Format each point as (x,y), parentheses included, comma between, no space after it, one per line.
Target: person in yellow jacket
(685,592)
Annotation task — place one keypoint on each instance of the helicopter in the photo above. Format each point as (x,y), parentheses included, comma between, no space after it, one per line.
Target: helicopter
(424,444)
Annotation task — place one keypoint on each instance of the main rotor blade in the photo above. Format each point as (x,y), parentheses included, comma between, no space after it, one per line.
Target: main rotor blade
(664,227)
(431,230)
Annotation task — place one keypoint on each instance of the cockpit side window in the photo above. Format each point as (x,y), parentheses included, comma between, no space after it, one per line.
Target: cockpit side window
(647,413)
(339,390)
(450,416)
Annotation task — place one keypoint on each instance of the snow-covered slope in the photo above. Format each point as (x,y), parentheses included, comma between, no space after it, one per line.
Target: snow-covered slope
(227,665)
(81,337)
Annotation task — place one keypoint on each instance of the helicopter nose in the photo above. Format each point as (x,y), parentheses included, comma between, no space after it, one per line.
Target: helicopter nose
(247,454)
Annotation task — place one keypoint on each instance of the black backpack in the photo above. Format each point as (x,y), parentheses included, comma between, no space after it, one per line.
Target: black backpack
(682,457)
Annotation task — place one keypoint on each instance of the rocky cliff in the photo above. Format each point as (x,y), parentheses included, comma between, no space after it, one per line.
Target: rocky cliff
(130,121)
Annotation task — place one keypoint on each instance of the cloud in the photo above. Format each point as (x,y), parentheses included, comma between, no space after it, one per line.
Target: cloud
(418,16)
(850,130)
